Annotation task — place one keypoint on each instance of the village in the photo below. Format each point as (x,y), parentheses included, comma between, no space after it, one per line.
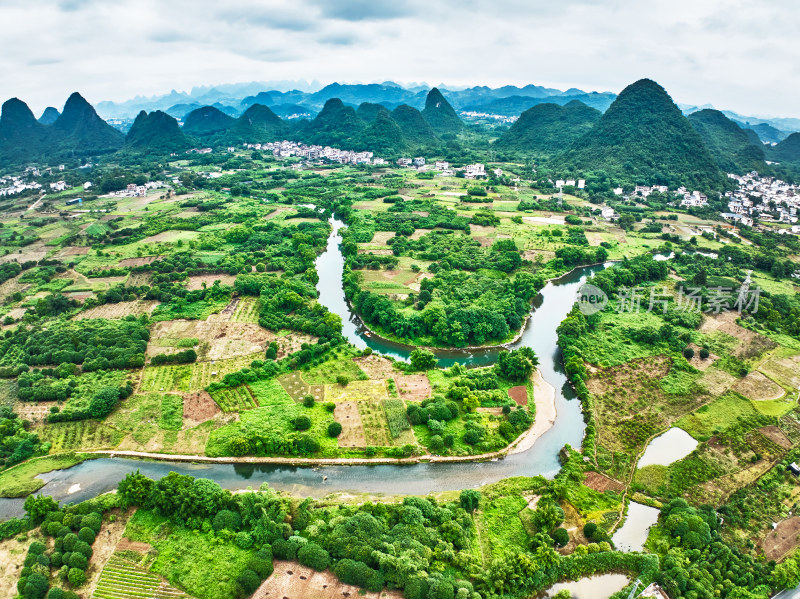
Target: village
(765,199)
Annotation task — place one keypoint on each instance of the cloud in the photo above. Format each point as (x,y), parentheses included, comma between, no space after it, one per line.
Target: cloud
(267,16)
(364,10)
(735,54)
(340,39)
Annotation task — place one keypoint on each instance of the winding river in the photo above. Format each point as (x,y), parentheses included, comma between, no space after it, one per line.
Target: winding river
(550,307)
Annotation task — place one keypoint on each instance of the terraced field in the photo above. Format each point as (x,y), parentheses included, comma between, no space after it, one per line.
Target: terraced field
(82,434)
(373,418)
(235,399)
(246,310)
(166,378)
(121,579)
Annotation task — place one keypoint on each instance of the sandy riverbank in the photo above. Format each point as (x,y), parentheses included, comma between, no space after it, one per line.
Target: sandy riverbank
(544,395)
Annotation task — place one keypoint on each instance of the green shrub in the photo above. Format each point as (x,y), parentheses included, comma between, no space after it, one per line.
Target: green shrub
(262,567)
(308,401)
(78,560)
(87,535)
(560,537)
(301,423)
(76,577)
(55,593)
(249,581)
(314,556)
(688,353)
(35,586)
(37,548)
(283,549)
(244,540)
(334,429)
(226,519)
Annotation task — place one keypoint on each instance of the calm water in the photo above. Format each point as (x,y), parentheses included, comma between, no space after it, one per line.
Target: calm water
(550,307)
(592,587)
(633,534)
(670,447)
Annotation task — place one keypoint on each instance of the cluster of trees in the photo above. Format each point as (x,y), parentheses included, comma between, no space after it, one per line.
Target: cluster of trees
(186,356)
(94,344)
(698,563)
(373,545)
(101,404)
(17,443)
(452,250)
(74,531)
(288,302)
(454,308)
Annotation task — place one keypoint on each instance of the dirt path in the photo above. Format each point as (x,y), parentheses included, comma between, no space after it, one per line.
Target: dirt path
(544,396)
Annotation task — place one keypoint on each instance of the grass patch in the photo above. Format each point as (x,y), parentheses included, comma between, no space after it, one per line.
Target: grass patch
(171,413)
(651,480)
(195,562)
(396,417)
(716,416)
(501,526)
(20,480)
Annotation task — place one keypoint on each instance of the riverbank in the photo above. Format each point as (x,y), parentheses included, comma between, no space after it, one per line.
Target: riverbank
(23,479)
(544,396)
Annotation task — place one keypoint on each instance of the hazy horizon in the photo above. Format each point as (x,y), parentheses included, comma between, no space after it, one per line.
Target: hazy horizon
(733,55)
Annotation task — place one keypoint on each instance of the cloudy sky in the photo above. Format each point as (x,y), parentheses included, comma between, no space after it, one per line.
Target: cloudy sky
(741,55)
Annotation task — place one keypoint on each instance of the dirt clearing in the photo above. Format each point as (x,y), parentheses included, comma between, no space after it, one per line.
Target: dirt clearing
(119,310)
(290,580)
(196,281)
(12,556)
(137,261)
(601,482)
(519,394)
(346,414)
(776,435)
(752,344)
(758,387)
(376,367)
(782,539)
(199,407)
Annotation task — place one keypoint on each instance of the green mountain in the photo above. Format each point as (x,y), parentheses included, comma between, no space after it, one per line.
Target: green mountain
(156,133)
(788,150)
(206,121)
(769,134)
(383,136)
(440,115)
(549,128)
(729,144)
(336,125)
(413,125)
(644,138)
(49,116)
(80,131)
(368,111)
(257,124)
(22,137)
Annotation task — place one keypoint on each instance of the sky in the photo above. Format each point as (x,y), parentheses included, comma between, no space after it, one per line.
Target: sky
(741,55)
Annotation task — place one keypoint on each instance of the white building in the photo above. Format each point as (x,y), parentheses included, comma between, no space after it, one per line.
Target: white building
(419,161)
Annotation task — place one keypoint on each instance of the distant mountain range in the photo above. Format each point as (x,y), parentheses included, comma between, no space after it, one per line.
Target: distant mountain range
(641,136)
(79,131)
